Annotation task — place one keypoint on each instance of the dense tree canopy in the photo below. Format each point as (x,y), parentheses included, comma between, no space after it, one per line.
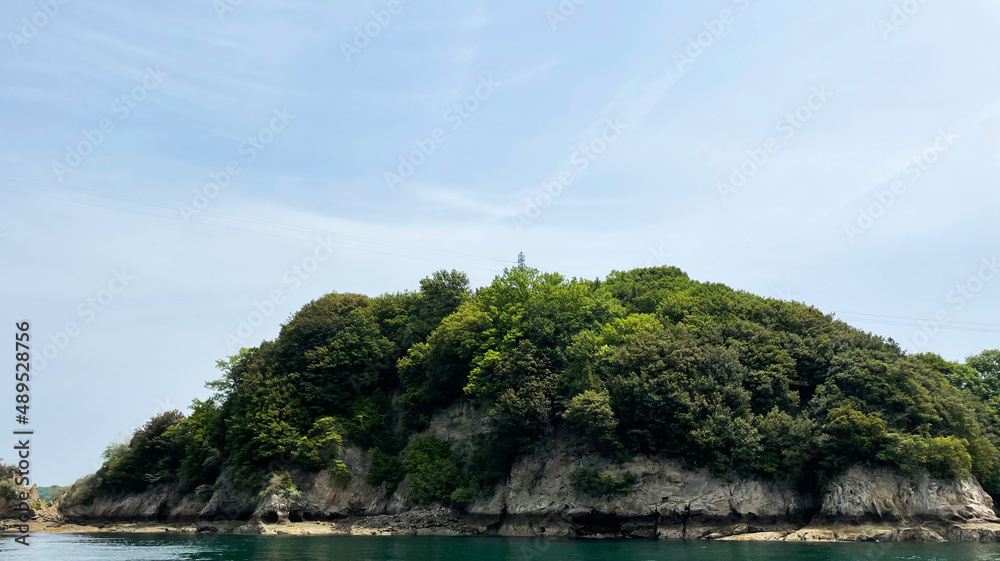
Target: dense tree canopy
(644,362)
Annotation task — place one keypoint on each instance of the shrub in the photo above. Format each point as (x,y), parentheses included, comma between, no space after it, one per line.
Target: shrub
(281,484)
(204,492)
(592,411)
(434,471)
(8,491)
(385,469)
(83,492)
(948,458)
(339,474)
(594,482)
(317,449)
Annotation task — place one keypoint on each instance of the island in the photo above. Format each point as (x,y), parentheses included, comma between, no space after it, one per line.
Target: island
(642,405)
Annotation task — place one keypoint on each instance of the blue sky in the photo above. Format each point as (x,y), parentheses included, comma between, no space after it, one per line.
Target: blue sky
(169,171)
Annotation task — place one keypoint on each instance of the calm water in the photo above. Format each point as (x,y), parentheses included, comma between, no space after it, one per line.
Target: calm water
(59,547)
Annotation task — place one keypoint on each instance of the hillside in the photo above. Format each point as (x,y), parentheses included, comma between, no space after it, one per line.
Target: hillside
(443,396)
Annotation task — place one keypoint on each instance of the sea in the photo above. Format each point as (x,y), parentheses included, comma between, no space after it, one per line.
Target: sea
(169,547)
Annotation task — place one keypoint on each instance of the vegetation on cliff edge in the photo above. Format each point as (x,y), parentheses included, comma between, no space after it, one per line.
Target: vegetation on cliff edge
(646,361)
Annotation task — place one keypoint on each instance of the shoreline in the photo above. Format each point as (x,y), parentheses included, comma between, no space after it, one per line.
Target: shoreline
(928,532)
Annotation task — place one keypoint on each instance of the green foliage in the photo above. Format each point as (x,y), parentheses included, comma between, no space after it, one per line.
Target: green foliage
(340,475)
(281,484)
(646,361)
(205,431)
(83,492)
(51,493)
(435,472)
(592,411)
(204,492)
(981,376)
(317,449)
(599,484)
(8,490)
(947,457)
(371,422)
(851,436)
(153,455)
(784,442)
(385,469)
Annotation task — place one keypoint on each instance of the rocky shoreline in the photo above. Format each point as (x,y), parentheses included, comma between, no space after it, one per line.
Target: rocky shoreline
(449,522)
(539,500)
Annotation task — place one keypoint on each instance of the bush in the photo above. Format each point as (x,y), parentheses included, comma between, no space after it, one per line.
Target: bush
(594,482)
(592,411)
(340,475)
(317,449)
(947,458)
(281,484)
(153,455)
(83,492)
(434,471)
(385,469)
(204,492)
(464,495)
(8,491)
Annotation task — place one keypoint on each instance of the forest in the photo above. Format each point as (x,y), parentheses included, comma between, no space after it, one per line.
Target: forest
(644,362)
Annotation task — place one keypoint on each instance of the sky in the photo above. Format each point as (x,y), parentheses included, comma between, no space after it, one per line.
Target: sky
(177,178)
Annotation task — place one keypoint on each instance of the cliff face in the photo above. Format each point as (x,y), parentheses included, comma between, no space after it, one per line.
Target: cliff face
(9,507)
(865,494)
(666,501)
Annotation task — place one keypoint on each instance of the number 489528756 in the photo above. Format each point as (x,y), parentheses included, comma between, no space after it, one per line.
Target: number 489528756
(22,368)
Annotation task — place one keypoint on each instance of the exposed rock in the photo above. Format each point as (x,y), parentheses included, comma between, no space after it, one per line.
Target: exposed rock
(667,501)
(757,537)
(437,522)
(880,494)
(540,486)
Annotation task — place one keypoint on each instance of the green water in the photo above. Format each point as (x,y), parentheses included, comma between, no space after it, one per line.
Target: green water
(115,547)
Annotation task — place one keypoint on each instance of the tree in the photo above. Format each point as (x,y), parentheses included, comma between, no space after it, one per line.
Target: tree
(153,455)
(592,412)
(986,382)
(318,448)
(441,294)
(647,361)
(851,437)
(434,471)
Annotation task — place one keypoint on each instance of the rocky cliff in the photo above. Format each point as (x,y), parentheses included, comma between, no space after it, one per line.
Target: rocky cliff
(666,501)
